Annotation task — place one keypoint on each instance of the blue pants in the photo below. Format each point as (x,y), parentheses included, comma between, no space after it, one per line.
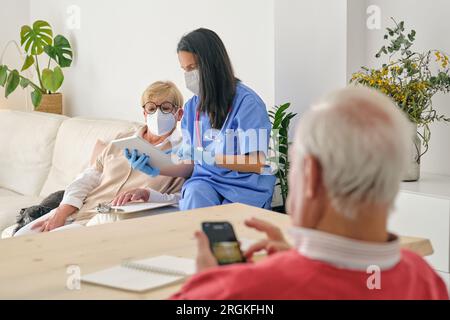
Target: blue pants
(200,194)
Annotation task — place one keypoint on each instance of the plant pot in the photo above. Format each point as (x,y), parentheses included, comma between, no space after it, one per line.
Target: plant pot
(51,103)
(412,170)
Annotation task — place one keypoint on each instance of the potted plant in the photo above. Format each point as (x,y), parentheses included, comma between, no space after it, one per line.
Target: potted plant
(411,79)
(279,149)
(35,41)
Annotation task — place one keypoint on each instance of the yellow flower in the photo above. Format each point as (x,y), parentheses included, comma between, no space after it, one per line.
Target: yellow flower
(444,61)
(438,55)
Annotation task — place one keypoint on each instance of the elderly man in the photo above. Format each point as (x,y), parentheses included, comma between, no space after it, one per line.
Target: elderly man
(348,156)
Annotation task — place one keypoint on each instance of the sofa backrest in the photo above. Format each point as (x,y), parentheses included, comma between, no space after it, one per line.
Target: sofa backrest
(74,145)
(27,140)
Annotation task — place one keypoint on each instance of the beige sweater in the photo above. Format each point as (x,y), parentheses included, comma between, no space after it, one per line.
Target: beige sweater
(118,176)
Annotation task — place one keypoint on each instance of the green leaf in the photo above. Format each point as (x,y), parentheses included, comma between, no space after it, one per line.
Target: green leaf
(292,115)
(24,82)
(12,82)
(3,75)
(52,80)
(29,61)
(285,123)
(35,39)
(36,97)
(282,109)
(60,51)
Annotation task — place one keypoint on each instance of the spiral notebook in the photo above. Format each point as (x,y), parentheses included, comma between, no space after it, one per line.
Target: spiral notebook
(143,275)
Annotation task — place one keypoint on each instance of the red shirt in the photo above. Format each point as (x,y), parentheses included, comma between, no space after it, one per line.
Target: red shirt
(289,275)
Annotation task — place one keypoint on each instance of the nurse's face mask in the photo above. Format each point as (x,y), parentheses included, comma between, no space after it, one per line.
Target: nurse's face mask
(160,119)
(192,80)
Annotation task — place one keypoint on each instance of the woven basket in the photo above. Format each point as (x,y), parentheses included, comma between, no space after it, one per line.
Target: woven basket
(51,103)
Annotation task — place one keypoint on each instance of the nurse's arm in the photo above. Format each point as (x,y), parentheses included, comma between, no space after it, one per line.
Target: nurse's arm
(183,170)
(252,162)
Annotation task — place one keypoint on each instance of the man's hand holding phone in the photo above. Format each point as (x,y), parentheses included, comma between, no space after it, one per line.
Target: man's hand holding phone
(205,258)
(215,233)
(274,243)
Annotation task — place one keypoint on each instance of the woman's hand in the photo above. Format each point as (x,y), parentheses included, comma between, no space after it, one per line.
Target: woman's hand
(132,195)
(275,241)
(57,220)
(140,162)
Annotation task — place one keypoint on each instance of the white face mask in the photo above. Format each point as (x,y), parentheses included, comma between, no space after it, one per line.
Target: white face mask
(192,80)
(160,123)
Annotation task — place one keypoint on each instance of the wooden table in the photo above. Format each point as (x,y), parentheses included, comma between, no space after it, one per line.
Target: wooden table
(36,266)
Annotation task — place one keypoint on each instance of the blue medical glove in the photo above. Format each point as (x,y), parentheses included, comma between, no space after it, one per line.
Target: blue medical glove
(140,163)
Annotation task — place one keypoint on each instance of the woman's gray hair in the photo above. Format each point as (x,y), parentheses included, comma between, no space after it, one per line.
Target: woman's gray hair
(361,139)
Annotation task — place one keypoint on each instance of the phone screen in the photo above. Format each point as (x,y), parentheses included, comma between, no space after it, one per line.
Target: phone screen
(224,244)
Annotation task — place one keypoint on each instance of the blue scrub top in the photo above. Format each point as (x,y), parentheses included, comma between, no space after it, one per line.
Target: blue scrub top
(236,137)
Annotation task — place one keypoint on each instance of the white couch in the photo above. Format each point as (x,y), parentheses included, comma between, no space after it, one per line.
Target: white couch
(42,153)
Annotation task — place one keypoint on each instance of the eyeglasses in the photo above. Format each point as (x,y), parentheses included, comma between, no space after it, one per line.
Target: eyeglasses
(165,107)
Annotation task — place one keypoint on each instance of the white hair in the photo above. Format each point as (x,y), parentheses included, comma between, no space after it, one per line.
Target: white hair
(361,139)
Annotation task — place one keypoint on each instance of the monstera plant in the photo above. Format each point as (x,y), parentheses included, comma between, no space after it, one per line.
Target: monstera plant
(35,41)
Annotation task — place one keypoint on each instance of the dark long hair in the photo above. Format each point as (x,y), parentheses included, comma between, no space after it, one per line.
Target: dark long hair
(217,80)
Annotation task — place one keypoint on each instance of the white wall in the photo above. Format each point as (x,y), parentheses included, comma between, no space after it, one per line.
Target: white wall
(287,50)
(430,20)
(122,46)
(13,14)
(310,50)
(356,36)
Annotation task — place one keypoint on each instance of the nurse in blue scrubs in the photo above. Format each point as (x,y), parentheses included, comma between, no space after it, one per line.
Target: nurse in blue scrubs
(226,132)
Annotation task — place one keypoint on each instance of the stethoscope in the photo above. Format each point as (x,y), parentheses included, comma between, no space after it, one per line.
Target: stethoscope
(197,129)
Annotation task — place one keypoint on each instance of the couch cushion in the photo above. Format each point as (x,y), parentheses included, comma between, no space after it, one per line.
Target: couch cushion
(27,140)
(6,192)
(11,205)
(74,145)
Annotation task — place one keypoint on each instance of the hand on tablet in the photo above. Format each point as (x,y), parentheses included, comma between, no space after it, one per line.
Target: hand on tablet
(132,195)
(140,162)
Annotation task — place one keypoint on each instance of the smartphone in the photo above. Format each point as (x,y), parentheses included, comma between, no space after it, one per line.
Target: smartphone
(223,242)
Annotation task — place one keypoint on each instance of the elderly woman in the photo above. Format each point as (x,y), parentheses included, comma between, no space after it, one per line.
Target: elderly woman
(348,158)
(111,175)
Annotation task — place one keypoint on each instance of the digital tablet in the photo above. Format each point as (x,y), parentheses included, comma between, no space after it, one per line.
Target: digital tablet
(158,158)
